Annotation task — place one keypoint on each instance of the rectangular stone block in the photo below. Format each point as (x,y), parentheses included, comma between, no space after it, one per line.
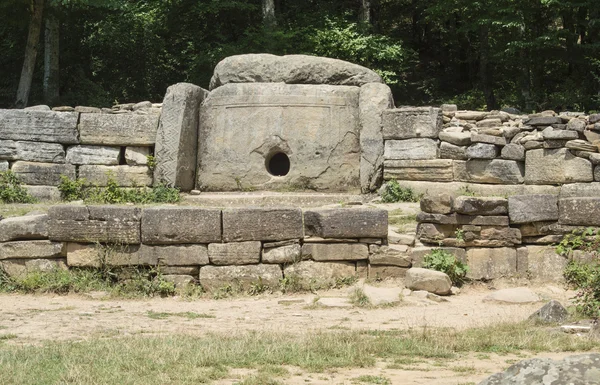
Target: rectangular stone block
(235,253)
(42,173)
(495,171)
(118,129)
(177,255)
(32,250)
(311,275)
(480,205)
(262,224)
(435,170)
(410,149)
(542,264)
(138,156)
(24,228)
(32,151)
(452,151)
(18,268)
(96,255)
(491,263)
(412,122)
(124,176)
(282,254)
(180,225)
(335,252)
(44,193)
(556,166)
(579,211)
(103,155)
(392,255)
(346,223)
(39,126)
(377,272)
(533,208)
(239,277)
(458,219)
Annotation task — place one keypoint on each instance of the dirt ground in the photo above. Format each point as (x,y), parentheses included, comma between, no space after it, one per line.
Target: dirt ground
(37,318)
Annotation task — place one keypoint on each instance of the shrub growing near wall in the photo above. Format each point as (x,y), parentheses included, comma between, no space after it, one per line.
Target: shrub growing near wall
(11,190)
(445,262)
(393,192)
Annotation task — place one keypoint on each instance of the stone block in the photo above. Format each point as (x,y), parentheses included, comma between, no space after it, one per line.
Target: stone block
(543,264)
(103,155)
(44,193)
(378,272)
(437,204)
(551,133)
(421,148)
(176,255)
(433,232)
(95,255)
(458,219)
(412,122)
(137,156)
(180,225)
(470,115)
(3,166)
(482,151)
(282,254)
(456,138)
(48,174)
(194,271)
(579,211)
(177,137)
(240,277)
(18,268)
(451,151)
(513,151)
(28,227)
(496,171)
(392,255)
(489,139)
(573,190)
(335,252)
(558,166)
(179,280)
(124,176)
(532,208)
(118,129)
(543,121)
(438,170)
(374,99)
(317,275)
(32,151)
(480,205)
(32,250)
(235,253)
(39,126)
(262,224)
(491,263)
(346,223)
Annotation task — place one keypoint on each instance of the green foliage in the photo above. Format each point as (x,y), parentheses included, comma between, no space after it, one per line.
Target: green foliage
(393,192)
(359,298)
(71,190)
(443,261)
(11,190)
(151,162)
(257,287)
(578,239)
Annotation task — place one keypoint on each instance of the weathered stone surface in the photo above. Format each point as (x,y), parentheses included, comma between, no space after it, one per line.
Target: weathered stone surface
(458,219)
(573,190)
(576,125)
(411,149)
(42,173)
(346,223)
(290,69)
(532,208)
(417,254)
(3,166)
(489,122)
(44,193)
(176,255)
(235,253)
(24,228)
(513,151)
(379,272)
(543,121)
(16,268)
(470,115)
(32,250)
(374,99)
(451,151)
(491,263)
(581,145)
(551,133)
(335,252)
(434,232)
(240,277)
(437,204)
(516,295)
(118,129)
(194,271)
(552,312)
(392,255)
(579,211)
(180,225)
(316,275)
(262,224)
(124,176)
(39,126)
(282,254)
(179,280)
(32,151)
(177,136)
(557,166)
(429,280)
(412,122)
(456,138)
(532,145)
(542,263)
(573,370)
(480,205)
(495,171)
(137,156)
(490,139)
(440,170)
(95,255)
(93,155)
(482,151)
(243,126)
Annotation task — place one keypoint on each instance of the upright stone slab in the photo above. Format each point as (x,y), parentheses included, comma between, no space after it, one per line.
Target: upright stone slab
(118,129)
(32,151)
(411,149)
(176,147)
(532,208)
(491,263)
(180,225)
(48,174)
(556,166)
(374,99)
(580,211)
(39,126)
(346,223)
(103,155)
(412,122)
(262,224)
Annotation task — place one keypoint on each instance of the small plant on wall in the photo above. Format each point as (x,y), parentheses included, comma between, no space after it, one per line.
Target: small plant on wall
(11,190)
(442,260)
(393,192)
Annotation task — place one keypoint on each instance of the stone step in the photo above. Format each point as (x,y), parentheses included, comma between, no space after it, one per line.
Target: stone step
(268,199)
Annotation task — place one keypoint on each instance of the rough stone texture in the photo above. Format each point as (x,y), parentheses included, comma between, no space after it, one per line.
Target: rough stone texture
(543,121)
(282,254)
(118,129)
(456,138)
(437,204)
(543,264)
(420,148)
(32,250)
(456,188)
(38,126)
(262,224)
(580,190)
(482,151)
(552,312)
(180,225)
(418,253)
(576,125)
(179,280)
(374,99)
(3,165)
(532,208)
(429,280)
(177,255)
(24,227)
(240,277)
(516,295)
(243,125)
(573,370)
(451,151)
(513,151)
(458,219)
(580,211)
(311,274)
(42,173)
(480,205)
(32,151)
(94,255)
(496,171)
(439,170)
(491,263)
(335,252)
(556,166)
(44,193)
(489,139)
(177,136)
(125,176)
(20,267)
(392,255)
(346,223)
(290,69)
(137,156)
(412,122)
(103,155)
(235,253)
(379,272)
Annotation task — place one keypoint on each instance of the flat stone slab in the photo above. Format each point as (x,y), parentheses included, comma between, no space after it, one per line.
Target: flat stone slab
(32,151)
(180,225)
(346,223)
(419,148)
(383,295)
(118,129)
(412,122)
(32,250)
(103,155)
(262,224)
(235,253)
(335,252)
(516,295)
(46,174)
(124,176)
(217,277)
(533,208)
(39,126)
(28,227)
(269,199)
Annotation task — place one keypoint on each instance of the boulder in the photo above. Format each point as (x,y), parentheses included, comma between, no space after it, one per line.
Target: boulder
(335,251)
(177,225)
(118,129)
(576,124)
(124,176)
(39,126)
(345,223)
(556,166)
(235,253)
(532,208)
(437,204)
(495,171)
(103,155)
(429,280)
(515,295)
(580,211)
(32,173)
(262,224)
(480,205)
(240,277)
(411,149)
(32,151)
(24,228)
(552,312)
(412,122)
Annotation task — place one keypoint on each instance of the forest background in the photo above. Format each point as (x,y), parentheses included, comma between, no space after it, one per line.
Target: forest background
(527,54)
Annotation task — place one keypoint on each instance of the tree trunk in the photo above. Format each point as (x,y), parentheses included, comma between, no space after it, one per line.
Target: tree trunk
(35,26)
(51,59)
(484,71)
(365,11)
(268,9)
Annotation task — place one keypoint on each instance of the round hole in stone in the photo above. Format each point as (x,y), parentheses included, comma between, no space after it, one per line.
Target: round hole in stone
(278,164)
